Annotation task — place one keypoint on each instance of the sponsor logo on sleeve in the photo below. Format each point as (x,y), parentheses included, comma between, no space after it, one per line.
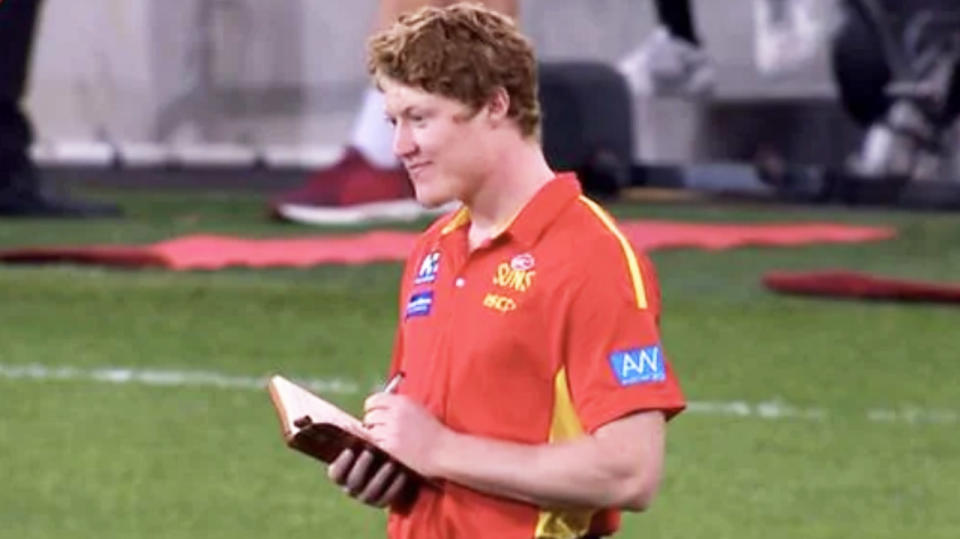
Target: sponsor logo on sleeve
(429,266)
(420,304)
(638,365)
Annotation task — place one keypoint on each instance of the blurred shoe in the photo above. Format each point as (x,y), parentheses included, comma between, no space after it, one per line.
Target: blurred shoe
(666,65)
(788,35)
(21,196)
(351,192)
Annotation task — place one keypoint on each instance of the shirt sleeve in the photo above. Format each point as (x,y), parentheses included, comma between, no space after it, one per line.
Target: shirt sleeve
(615,360)
(396,358)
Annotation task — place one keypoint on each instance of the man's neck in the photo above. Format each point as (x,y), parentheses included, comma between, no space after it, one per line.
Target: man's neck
(506,192)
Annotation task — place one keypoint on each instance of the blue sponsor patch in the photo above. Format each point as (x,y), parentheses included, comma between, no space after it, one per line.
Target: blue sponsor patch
(429,266)
(420,304)
(638,365)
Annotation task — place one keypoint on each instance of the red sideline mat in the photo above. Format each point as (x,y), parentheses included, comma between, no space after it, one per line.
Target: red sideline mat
(214,252)
(849,284)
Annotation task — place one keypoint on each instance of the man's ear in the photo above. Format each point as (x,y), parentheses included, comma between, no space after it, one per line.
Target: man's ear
(498,106)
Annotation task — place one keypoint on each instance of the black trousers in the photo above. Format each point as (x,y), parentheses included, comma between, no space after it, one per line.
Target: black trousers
(18,21)
(677,16)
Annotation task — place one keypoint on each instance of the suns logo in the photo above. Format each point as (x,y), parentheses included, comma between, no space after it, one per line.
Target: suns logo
(517,275)
(523,262)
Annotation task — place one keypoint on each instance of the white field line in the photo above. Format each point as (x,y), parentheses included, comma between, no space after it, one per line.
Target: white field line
(763,410)
(769,410)
(158,377)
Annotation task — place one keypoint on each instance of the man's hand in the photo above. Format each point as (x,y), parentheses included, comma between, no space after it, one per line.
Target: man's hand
(405,429)
(356,475)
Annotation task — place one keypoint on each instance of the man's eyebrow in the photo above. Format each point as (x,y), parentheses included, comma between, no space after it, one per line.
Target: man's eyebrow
(406,112)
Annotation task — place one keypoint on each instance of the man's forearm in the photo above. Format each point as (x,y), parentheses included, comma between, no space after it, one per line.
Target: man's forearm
(619,470)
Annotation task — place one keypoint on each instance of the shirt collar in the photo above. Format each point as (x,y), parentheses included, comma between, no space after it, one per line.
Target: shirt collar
(459,218)
(527,225)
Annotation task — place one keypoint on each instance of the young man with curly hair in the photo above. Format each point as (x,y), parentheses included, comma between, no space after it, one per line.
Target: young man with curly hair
(536,390)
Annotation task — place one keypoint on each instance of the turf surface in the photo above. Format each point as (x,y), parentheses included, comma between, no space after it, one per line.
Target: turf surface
(874,451)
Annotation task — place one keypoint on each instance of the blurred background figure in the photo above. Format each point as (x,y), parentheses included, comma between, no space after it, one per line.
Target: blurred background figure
(897,69)
(789,33)
(671,61)
(21,194)
(227,86)
(367,184)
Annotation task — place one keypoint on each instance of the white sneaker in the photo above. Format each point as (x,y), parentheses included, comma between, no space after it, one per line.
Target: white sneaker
(788,34)
(666,65)
(394,211)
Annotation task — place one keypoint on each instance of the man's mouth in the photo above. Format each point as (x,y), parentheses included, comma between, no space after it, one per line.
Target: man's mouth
(416,168)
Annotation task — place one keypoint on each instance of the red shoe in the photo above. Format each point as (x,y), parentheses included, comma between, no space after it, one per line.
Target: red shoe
(353,191)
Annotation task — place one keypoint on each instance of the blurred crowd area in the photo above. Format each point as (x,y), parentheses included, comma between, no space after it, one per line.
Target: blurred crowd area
(292,72)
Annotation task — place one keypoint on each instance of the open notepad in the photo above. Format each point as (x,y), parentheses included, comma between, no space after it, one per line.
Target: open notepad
(314,426)
(320,429)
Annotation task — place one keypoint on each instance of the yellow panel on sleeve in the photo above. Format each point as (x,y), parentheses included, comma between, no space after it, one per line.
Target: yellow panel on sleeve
(565,425)
(632,265)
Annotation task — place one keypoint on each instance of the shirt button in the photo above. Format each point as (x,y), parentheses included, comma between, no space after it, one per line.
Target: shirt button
(460,282)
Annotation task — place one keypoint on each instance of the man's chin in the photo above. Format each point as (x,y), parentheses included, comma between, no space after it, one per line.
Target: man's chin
(433,202)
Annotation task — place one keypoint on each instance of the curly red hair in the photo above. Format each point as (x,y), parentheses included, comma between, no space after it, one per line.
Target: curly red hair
(464,52)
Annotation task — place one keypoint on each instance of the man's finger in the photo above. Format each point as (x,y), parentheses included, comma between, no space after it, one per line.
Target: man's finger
(377,484)
(337,470)
(375,417)
(377,400)
(357,477)
(394,490)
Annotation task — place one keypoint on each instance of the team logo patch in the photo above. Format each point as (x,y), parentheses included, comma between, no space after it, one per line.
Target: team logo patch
(420,304)
(429,267)
(522,262)
(517,274)
(638,365)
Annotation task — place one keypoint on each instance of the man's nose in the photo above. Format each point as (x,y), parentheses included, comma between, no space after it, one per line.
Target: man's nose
(403,143)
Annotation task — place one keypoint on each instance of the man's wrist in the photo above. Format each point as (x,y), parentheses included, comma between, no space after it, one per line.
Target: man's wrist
(443,451)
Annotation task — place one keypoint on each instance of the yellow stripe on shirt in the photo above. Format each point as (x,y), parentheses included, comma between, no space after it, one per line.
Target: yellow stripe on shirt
(459,219)
(565,426)
(632,264)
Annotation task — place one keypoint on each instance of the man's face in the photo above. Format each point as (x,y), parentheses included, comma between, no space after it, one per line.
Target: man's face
(440,141)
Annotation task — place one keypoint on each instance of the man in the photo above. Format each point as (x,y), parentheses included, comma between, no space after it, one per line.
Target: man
(536,390)
(20,190)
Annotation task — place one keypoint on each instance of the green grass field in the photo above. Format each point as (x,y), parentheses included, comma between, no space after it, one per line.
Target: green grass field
(866,443)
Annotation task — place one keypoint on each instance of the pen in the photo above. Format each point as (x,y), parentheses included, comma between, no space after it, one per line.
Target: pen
(394,382)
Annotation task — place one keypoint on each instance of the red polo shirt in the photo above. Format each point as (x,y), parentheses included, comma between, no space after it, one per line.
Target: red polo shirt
(546,332)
